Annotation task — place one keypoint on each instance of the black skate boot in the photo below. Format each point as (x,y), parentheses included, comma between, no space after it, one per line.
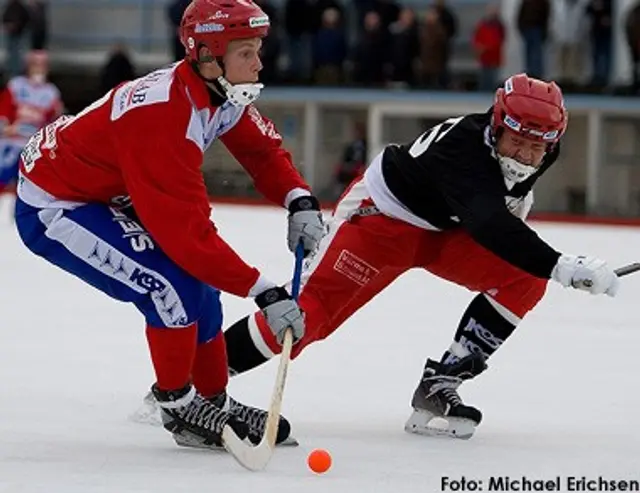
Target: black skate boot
(194,419)
(254,418)
(437,407)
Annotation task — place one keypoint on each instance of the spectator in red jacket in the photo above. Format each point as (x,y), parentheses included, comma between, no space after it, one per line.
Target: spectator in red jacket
(488,40)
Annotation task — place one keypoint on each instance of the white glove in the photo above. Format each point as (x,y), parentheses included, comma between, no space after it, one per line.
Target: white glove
(586,273)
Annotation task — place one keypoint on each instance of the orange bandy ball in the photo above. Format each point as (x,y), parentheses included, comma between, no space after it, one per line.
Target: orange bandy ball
(319,461)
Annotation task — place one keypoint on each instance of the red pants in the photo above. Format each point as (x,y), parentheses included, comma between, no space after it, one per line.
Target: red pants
(361,256)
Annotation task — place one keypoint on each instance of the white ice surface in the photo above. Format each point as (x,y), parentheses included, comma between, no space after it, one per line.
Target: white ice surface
(560,398)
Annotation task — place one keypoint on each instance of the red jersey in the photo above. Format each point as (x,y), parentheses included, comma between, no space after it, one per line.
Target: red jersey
(28,106)
(145,139)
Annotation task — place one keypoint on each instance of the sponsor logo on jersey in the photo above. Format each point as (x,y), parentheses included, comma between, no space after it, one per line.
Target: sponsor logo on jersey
(151,89)
(266,127)
(31,152)
(355,268)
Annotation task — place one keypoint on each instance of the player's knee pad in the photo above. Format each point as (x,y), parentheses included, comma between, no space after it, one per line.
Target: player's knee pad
(522,295)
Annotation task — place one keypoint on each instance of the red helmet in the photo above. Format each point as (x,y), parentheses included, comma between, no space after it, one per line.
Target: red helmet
(531,108)
(214,23)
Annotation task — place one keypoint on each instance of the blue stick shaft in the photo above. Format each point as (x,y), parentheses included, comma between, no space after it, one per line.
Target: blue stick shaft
(297,272)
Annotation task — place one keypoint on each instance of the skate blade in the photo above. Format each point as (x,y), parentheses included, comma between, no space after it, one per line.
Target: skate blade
(428,424)
(188,440)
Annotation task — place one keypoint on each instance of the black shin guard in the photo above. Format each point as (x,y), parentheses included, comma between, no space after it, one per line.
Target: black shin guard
(481,329)
(242,353)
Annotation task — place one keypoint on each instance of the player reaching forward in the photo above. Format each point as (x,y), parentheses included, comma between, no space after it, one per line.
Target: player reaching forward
(452,202)
(116,197)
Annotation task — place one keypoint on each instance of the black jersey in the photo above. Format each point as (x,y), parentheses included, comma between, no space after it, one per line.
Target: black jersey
(450,178)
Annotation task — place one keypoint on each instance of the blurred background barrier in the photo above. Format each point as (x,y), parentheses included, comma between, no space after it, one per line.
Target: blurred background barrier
(345,77)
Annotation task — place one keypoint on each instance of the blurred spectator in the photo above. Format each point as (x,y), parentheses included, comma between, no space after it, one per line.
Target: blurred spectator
(405,48)
(601,40)
(388,10)
(329,49)
(434,51)
(298,15)
(569,23)
(15,20)
(118,69)
(354,160)
(28,103)
(488,40)
(361,8)
(175,9)
(632,31)
(447,18)
(38,23)
(449,22)
(533,22)
(319,6)
(371,53)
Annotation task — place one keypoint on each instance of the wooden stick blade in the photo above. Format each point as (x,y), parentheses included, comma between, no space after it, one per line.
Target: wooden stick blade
(256,458)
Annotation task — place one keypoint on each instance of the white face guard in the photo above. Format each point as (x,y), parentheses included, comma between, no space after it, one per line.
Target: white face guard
(514,170)
(240,95)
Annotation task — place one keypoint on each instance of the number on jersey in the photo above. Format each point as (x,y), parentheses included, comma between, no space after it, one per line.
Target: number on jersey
(432,135)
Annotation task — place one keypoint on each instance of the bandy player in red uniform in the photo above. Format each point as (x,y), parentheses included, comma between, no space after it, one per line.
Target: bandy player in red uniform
(28,103)
(116,197)
(452,202)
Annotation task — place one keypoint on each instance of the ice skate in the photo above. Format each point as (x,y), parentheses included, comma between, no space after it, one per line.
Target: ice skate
(437,408)
(190,417)
(253,417)
(149,413)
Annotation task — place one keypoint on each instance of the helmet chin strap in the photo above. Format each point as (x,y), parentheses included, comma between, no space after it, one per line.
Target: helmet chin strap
(239,95)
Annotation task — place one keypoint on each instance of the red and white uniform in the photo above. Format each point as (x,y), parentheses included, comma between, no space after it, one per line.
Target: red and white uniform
(146,140)
(25,107)
(447,210)
(28,106)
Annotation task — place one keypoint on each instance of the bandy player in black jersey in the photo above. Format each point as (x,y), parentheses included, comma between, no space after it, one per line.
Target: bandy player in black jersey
(452,202)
